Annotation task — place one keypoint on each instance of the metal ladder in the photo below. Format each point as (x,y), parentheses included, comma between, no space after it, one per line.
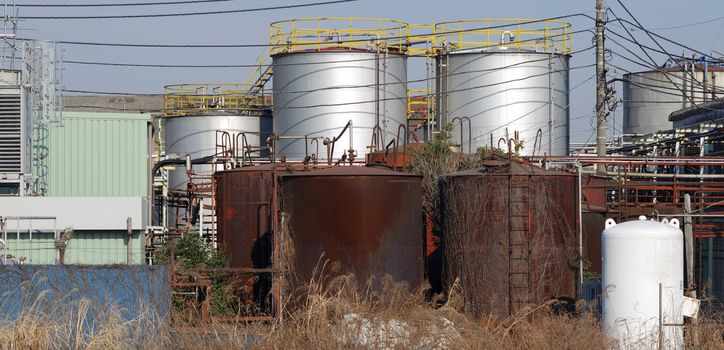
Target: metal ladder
(519,222)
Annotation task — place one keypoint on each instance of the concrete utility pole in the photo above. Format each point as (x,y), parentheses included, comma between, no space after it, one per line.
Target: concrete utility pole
(600,85)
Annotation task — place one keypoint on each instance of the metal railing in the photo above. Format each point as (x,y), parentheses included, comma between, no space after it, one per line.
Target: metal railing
(420,104)
(520,34)
(318,34)
(23,243)
(189,99)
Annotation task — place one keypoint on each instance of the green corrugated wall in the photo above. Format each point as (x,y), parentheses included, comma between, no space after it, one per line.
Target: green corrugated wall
(85,247)
(98,154)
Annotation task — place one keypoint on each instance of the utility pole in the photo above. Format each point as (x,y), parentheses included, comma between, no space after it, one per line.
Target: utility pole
(600,85)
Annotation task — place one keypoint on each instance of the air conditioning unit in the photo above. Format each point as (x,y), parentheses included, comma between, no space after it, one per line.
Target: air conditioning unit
(15,134)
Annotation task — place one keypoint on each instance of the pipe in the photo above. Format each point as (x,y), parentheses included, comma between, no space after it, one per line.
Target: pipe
(580,228)
(406,134)
(394,152)
(334,140)
(129,245)
(178,161)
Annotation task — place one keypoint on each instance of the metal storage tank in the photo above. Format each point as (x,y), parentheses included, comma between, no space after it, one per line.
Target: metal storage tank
(650,96)
(244,207)
(195,135)
(513,79)
(193,113)
(509,236)
(638,256)
(367,220)
(329,71)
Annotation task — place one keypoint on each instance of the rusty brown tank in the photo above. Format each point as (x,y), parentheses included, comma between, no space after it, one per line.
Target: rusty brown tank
(244,201)
(510,236)
(368,220)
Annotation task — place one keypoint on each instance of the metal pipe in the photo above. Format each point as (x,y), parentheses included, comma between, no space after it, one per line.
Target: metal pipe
(30,243)
(393,143)
(129,245)
(580,228)
(406,134)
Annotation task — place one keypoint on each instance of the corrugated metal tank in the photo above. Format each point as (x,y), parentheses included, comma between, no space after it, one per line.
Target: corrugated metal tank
(195,135)
(367,220)
(98,154)
(649,97)
(506,90)
(643,280)
(317,93)
(509,236)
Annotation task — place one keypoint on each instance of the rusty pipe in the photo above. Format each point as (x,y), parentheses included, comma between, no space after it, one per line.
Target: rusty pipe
(393,143)
(462,133)
(406,135)
(334,140)
(316,154)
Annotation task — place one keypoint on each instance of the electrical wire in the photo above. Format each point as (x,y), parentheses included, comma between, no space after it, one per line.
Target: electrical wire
(127,4)
(155,65)
(653,61)
(186,14)
(358,86)
(372,39)
(621,20)
(690,24)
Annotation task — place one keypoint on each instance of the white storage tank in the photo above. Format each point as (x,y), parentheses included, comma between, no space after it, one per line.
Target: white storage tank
(328,71)
(638,257)
(510,77)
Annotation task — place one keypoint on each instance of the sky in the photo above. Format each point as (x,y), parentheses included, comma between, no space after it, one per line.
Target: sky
(253,28)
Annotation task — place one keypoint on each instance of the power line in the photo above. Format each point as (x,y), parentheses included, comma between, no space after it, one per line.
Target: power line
(185,14)
(690,24)
(512,65)
(124,4)
(691,100)
(621,20)
(373,39)
(159,65)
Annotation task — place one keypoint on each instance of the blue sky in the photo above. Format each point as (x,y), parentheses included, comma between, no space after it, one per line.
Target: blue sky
(253,28)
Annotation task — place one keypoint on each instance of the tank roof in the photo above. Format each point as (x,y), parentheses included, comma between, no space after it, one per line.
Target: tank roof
(354,171)
(509,167)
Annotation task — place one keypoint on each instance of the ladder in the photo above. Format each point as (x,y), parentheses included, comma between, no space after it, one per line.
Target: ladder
(519,235)
(264,77)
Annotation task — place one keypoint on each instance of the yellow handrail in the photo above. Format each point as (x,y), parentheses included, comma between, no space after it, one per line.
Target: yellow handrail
(189,99)
(521,34)
(420,103)
(317,34)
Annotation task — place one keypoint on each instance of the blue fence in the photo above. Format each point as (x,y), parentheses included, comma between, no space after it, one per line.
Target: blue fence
(131,291)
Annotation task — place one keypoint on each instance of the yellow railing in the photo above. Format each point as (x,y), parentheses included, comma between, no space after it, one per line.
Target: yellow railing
(420,103)
(520,34)
(189,99)
(256,74)
(318,34)
(422,40)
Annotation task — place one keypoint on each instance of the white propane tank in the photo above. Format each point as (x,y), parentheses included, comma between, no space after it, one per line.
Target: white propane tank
(638,256)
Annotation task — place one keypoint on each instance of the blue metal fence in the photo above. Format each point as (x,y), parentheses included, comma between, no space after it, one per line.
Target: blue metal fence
(132,290)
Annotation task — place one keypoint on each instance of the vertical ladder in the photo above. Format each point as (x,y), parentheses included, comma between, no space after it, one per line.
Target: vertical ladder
(519,220)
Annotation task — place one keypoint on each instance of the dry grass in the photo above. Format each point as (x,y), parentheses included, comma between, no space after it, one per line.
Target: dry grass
(329,313)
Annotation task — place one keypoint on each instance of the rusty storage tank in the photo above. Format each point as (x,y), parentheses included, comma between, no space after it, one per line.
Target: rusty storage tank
(368,220)
(509,235)
(328,71)
(244,206)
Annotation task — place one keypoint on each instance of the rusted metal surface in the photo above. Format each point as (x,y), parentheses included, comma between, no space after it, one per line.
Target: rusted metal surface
(244,200)
(510,236)
(367,220)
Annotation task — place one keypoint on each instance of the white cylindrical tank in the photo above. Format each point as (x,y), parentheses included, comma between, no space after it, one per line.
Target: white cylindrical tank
(638,257)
